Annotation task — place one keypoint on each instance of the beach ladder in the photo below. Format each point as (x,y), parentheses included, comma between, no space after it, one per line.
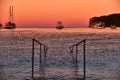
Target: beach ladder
(76,55)
(43,50)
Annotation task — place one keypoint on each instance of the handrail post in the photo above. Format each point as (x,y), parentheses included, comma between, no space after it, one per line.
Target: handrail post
(40,53)
(45,50)
(72,50)
(76,53)
(84,59)
(32,58)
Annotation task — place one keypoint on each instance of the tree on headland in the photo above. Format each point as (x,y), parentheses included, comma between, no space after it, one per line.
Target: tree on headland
(108,20)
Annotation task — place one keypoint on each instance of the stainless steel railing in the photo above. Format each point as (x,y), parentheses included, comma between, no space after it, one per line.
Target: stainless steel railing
(76,55)
(43,49)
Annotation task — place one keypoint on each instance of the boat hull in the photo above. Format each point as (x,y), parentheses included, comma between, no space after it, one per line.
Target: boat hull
(60,27)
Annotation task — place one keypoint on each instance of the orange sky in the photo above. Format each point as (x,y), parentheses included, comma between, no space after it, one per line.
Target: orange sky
(46,13)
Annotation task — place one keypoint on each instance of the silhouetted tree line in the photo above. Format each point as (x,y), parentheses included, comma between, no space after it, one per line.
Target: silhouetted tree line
(108,20)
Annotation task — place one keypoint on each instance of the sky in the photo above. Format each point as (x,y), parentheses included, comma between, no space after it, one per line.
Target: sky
(46,13)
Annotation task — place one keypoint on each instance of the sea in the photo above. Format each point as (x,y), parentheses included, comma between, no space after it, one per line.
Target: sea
(101,49)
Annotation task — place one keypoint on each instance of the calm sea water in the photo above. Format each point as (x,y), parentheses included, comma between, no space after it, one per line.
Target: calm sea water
(102,54)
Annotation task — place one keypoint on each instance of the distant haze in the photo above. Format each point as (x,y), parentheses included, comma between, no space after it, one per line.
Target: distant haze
(46,13)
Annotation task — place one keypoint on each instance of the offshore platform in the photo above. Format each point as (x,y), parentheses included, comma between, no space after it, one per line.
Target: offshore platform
(0,22)
(10,24)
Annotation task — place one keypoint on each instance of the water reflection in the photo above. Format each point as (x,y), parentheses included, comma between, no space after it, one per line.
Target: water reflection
(76,73)
(42,73)
(15,49)
(2,73)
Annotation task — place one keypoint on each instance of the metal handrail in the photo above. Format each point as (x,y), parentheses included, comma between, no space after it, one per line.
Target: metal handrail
(84,56)
(45,48)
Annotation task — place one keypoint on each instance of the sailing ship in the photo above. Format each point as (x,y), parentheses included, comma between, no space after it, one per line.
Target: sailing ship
(59,25)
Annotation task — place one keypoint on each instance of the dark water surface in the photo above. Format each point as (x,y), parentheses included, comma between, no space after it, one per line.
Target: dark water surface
(102,55)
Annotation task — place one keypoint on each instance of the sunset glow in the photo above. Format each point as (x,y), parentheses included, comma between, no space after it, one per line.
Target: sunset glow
(46,13)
